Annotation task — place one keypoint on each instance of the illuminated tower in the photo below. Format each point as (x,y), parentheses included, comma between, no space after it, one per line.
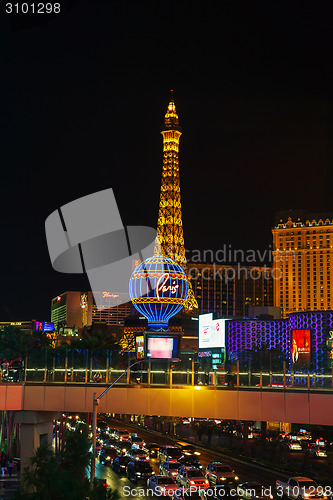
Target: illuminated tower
(170,226)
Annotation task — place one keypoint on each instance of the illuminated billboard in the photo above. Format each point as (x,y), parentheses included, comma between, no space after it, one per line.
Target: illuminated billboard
(329,347)
(44,326)
(157,346)
(211,332)
(300,347)
(162,347)
(140,346)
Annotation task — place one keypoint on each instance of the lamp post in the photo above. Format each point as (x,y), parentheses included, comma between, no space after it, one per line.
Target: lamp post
(96,401)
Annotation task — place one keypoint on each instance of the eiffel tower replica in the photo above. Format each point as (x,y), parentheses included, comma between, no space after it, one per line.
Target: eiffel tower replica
(170,225)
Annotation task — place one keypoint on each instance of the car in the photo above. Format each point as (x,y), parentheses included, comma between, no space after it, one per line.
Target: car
(191,461)
(100,482)
(121,435)
(188,449)
(186,421)
(137,454)
(151,449)
(168,453)
(170,468)
(162,485)
(123,447)
(292,445)
(106,455)
(110,443)
(139,469)
(119,464)
(252,490)
(318,452)
(190,477)
(137,442)
(112,432)
(220,473)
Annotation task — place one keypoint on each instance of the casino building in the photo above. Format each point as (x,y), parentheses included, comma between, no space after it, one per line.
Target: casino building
(304,341)
(230,290)
(78,309)
(302,256)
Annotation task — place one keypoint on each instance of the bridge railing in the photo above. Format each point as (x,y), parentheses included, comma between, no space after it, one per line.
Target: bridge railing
(85,367)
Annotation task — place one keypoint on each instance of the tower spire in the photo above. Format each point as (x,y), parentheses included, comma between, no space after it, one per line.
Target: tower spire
(170,225)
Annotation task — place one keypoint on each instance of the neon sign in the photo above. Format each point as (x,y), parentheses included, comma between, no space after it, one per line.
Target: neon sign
(162,288)
(158,289)
(110,295)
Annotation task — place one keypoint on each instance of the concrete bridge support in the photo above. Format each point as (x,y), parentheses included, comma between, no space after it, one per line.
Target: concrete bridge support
(36,427)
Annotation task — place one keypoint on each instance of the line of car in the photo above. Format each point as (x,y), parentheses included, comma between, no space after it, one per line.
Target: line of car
(181,474)
(180,471)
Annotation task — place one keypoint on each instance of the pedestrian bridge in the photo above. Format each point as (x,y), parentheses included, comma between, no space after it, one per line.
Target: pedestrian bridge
(280,404)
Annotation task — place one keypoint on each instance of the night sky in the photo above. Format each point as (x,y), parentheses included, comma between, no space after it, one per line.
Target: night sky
(84,94)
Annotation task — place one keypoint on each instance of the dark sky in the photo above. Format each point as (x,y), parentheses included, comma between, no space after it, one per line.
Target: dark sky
(83,99)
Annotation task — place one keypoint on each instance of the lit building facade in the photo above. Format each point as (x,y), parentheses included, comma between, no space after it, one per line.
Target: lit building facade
(111,310)
(78,309)
(230,290)
(252,334)
(72,309)
(302,256)
(25,326)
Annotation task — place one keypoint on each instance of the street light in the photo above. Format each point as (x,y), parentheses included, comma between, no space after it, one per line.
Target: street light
(94,422)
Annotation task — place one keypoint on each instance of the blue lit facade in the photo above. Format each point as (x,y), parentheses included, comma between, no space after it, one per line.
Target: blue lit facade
(250,334)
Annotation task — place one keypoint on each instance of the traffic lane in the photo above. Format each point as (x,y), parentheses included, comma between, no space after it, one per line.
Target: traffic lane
(126,488)
(244,472)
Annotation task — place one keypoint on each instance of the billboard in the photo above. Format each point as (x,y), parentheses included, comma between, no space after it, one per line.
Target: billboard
(211,332)
(162,346)
(329,348)
(44,326)
(300,348)
(140,346)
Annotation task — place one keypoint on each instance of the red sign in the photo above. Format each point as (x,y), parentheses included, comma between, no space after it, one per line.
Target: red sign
(300,347)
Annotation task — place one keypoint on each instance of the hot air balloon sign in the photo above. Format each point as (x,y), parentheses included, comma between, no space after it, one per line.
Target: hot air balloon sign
(158,290)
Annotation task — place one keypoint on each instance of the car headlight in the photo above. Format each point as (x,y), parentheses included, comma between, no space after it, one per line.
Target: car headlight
(206,481)
(306,495)
(108,458)
(136,458)
(236,477)
(197,453)
(174,473)
(192,482)
(271,497)
(223,478)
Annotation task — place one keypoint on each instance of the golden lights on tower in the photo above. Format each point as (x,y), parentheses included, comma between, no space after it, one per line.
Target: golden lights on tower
(170,226)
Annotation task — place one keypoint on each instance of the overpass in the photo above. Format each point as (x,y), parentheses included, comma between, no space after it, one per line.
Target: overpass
(306,399)
(242,403)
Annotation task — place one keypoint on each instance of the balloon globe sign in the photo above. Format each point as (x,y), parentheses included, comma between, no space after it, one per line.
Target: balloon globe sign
(158,290)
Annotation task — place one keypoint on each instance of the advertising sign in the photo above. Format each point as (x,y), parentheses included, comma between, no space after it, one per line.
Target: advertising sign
(300,348)
(211,332)
(162,346)
(329,347)
(140,346)
(43,326)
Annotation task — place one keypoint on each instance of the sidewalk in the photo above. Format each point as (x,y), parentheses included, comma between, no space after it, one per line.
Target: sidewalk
(11,483)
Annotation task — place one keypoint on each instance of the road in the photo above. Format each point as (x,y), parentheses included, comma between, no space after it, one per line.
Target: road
(245,472)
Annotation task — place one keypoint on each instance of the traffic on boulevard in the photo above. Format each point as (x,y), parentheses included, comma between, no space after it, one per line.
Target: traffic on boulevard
(141,464)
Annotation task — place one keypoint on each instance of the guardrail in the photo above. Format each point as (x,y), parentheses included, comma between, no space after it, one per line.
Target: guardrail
(168,377)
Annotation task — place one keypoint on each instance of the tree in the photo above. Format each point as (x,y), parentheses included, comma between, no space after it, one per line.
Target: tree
(51,478)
